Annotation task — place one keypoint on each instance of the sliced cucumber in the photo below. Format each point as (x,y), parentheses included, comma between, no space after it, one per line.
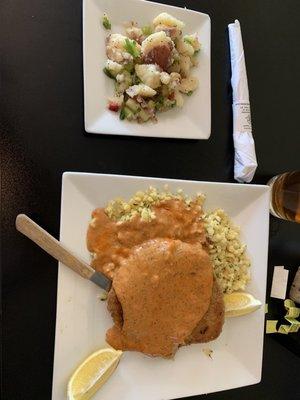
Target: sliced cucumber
(122,114)
(129,67)
(144,116)
(133,105)
(108,73)
(151,104)
(126,113)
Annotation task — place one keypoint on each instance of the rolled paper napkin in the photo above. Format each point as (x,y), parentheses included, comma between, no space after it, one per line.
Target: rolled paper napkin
(245,162)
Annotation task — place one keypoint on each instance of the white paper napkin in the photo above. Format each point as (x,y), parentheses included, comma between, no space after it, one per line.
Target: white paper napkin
(279,282)
(245,162)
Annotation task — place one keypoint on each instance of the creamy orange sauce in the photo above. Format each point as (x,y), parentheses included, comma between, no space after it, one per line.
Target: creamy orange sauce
(162,276)
(164,288)
(110,241)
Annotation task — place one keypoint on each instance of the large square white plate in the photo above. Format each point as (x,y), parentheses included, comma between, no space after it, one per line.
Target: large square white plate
(192,122)
(82,319)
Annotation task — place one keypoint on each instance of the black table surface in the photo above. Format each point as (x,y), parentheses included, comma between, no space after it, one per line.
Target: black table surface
(42,135)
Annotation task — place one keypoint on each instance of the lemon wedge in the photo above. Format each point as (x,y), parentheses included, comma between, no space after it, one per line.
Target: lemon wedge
(239,303)
(93,373)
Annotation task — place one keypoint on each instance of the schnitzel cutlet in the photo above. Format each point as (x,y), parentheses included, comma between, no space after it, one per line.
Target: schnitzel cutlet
(163,294)
(164,288)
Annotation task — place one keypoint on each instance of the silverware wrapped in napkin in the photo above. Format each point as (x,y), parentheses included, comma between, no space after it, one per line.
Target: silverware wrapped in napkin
(245,162)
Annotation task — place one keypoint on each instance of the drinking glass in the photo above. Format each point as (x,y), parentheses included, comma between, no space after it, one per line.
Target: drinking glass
(285,196)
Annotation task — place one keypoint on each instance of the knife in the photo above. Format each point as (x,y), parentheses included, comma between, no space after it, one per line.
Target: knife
(57,250)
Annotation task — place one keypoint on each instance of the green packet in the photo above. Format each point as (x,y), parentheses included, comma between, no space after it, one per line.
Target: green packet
(292,313)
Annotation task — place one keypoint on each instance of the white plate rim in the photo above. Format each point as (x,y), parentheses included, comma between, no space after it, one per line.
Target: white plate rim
(122,132)
(265,188)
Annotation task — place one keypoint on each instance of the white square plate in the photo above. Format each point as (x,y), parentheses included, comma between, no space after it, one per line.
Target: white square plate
(192,122)
(82,319)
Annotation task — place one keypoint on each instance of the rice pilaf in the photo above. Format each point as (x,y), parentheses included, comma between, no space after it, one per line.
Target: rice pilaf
(228,254)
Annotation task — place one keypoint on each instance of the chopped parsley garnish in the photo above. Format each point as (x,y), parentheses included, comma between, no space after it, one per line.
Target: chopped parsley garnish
(190,93)
(131,48)
(106,22)
(188,40)
(147,30)
(159,102)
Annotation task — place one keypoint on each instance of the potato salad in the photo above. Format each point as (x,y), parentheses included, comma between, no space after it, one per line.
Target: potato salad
(151,67)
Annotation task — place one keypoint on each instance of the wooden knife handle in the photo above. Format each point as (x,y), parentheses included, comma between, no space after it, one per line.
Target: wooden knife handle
(52,246)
